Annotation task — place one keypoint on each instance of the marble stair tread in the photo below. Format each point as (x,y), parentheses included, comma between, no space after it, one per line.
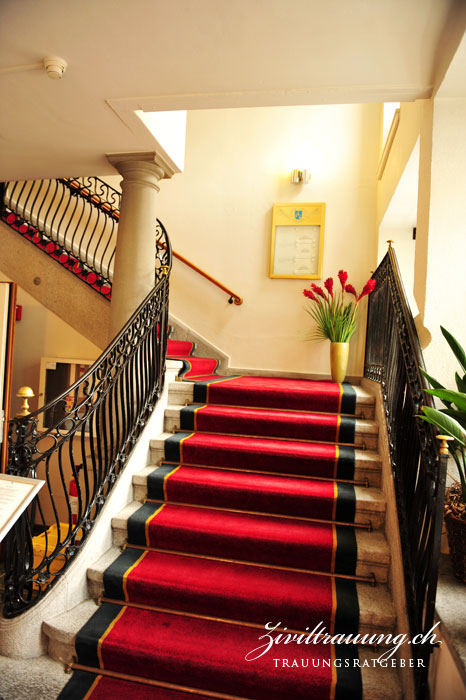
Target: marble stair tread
(60,630)
(373,556)
(96,570)
(370,502)
(378,682)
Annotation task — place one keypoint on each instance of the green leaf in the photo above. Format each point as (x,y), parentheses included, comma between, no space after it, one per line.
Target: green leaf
(456,347)
(433,382)
(460,416)
(460,383)
(446,395)
(445,424)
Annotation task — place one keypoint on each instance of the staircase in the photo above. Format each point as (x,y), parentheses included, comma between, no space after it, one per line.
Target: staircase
(263,505)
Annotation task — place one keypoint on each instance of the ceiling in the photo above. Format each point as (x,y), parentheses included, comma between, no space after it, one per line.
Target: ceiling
(197,54)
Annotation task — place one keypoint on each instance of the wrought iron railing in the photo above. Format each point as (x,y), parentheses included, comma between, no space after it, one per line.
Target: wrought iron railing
(74,220)
(85,437)
(394,359)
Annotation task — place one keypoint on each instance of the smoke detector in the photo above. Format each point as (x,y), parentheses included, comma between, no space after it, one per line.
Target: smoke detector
(55,66)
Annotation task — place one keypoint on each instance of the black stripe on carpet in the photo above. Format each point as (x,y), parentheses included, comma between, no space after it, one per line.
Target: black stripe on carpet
(346,462)
(113,575)
(347,609)
(78,685)
(349,679)
(187,415)
(156,480)
(348,399)
(172,447)
(347,431)
(87,639)
(346,503)
(137,523)
(200,387)
(347,550)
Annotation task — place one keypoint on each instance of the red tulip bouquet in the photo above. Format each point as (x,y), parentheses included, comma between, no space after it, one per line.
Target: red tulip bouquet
(335,312)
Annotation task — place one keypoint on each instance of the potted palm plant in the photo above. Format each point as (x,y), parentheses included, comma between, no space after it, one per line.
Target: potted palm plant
(335,315)
(451,420)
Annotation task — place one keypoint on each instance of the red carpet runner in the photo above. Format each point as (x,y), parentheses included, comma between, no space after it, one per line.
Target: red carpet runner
(248,521)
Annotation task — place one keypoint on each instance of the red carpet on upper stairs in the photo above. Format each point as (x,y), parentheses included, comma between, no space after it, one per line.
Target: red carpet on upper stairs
(249,520)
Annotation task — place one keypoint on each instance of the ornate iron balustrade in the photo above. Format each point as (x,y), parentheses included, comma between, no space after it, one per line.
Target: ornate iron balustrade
(73,220)
(394,358)
(85,435)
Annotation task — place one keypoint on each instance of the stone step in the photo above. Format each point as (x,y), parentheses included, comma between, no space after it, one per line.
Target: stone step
(366,431)
(370,502)
(376,610)
(181,392)
(367,462)
(379,682)
(373,556)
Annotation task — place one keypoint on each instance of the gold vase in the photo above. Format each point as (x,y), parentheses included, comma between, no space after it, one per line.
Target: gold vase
(339,361)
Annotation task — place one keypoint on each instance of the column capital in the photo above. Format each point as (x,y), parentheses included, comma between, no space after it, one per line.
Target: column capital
(155,162)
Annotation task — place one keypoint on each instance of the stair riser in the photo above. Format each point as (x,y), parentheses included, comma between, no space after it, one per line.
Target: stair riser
(60,651)
(364,514)
(364,440)
(364,469)
(181,392)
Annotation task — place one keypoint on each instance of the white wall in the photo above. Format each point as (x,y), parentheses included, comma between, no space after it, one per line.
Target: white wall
(446,246)
(219,215)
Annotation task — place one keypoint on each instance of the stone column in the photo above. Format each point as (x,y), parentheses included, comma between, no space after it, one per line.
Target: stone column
(134,265)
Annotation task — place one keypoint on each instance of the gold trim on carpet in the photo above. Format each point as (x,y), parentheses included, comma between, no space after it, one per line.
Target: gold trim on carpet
(181,444)
(105,635)
(149,520)
(165,479)
(217,381)
(130,569)
(199,408)
(340,400)
(93,687)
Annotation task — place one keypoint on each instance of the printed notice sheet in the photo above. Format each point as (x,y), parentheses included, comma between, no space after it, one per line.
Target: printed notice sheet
(16,493)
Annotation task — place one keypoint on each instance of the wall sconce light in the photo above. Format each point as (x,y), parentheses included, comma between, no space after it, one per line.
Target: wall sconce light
(25,393)
(300,177)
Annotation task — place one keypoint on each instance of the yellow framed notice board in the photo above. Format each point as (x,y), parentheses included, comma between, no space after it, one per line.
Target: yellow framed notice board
(297,240)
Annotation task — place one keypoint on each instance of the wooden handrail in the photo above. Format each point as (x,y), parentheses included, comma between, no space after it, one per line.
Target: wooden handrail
(85,192)
(234,298)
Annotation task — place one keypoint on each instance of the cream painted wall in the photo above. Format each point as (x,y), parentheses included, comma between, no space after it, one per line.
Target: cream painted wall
(219,214)
(41,333)
(446,247)
(405,139)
